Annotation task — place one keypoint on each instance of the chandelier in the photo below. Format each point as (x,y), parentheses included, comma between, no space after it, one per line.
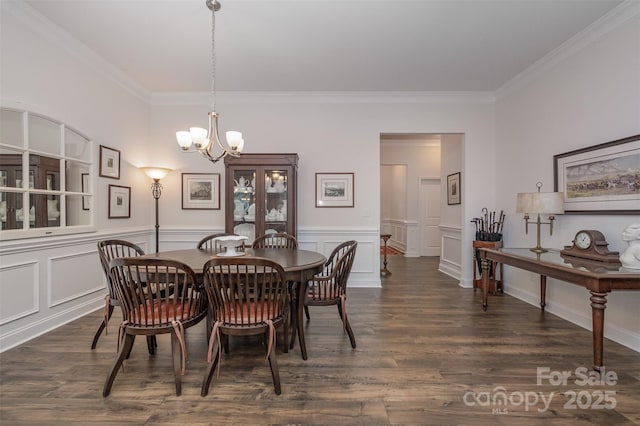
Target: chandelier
(207,142)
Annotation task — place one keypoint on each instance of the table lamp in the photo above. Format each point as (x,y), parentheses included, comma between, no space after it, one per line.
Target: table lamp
(538,203)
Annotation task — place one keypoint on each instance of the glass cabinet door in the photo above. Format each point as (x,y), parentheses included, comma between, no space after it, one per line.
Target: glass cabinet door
(244,203)
(275,200)
(260,194)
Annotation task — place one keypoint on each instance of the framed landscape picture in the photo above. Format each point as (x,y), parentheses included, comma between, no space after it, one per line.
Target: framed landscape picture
(334,189)
(200,191)
(601,179)
(119,202)
(109,162)
(453,189)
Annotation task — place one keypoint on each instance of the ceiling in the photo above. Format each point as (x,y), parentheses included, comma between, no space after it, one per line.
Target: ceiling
(327,45)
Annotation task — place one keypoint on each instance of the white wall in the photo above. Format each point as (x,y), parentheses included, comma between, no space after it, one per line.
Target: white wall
(589,97)
(46,282)
(47,72)
(453,222)
(393,203)
(331,133)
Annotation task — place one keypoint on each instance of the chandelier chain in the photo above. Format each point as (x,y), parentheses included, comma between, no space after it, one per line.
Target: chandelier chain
(213,59)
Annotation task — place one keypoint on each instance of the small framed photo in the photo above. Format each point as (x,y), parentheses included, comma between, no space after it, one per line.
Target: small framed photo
(85,188)
(454,189)
(334,189)
(109,162)
(119,202)
(200,191)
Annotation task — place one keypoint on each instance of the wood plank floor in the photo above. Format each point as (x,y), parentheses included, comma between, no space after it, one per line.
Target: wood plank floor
(427,354)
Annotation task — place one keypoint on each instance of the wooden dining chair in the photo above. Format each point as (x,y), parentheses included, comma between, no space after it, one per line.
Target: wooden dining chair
(276,240)
(150,310)
(108,250)
(209,242)
(330,286)
(247,296)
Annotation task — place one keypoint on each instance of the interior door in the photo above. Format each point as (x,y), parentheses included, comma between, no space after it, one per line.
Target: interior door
(429,217)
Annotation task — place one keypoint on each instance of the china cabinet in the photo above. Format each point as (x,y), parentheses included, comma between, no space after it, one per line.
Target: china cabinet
(43,209)
(260,194)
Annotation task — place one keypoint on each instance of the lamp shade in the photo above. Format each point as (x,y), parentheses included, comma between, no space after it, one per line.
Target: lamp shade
(155,172)
(235,141)
(184,139)
(540,202)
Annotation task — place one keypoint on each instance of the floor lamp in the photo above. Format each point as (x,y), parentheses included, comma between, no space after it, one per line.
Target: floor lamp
(156,173)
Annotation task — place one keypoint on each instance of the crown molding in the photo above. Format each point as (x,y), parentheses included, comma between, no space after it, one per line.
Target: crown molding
(204,98)
(416,143)
(612,20)
(40,25)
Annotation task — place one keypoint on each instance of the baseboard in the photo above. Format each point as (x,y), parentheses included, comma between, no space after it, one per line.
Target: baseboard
(611,331)
(37,328)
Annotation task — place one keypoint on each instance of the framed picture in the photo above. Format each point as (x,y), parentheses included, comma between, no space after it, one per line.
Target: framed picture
(454,189)
(85,188)
(119,202)
(109,162)
(601,179)
(200,191)
(334,189)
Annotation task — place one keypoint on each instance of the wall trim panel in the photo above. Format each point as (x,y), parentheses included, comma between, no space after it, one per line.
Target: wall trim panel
(92,255)
(451,251)
(35,279)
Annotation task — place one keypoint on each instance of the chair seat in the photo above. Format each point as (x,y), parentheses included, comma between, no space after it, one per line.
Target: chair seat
(249,314)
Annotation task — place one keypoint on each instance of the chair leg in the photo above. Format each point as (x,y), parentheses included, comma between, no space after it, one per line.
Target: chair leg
(125,349)
(152,344)
(285,333)
(306,312)
(176,354)
(293,322)
(208,375)
(351,336)
(348,327)
(103,325)
(131,348)
(275,372)
(225,343)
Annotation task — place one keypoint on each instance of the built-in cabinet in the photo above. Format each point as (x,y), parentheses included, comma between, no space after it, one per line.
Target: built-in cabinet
(260,194)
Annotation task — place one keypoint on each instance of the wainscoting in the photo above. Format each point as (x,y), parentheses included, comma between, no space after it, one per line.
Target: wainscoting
(451,251)
(404,236)
(48,282)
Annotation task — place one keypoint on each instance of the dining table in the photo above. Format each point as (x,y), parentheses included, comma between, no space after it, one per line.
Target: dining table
(299,267)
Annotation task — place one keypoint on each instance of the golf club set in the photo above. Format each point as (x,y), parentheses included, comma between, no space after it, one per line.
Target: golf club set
(489,225)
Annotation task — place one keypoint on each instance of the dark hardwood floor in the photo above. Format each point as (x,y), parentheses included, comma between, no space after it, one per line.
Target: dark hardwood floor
(427,354)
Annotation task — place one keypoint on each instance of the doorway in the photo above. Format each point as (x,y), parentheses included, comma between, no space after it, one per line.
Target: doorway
(410,192)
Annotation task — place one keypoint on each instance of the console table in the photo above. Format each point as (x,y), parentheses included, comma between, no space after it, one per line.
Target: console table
(596,277)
